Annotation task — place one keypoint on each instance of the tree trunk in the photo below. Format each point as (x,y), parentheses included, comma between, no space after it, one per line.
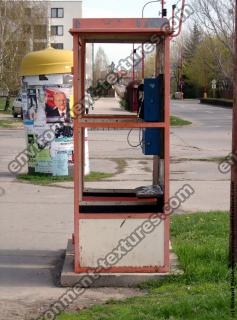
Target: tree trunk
(7,103)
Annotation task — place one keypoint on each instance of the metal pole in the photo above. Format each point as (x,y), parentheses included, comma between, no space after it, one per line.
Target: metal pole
(233,199)
(146,4)
(163,6)
(143,55)
(181,70)
(93,65)
(133,62)
(180,21)
(233,209)
(173,13)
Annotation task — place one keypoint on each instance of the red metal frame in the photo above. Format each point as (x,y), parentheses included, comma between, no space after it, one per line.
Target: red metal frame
(111,30)
(76,149)
(180,21)
(167,147)
(120,216)
(121,125)
(120,25)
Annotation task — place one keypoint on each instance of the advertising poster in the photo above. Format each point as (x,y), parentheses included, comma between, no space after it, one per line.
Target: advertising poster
(43,162)
(47,106)
(59,161)
(61,149)
(57,106)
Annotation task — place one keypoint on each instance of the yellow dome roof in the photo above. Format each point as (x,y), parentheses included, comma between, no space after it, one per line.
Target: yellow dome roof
(48,61)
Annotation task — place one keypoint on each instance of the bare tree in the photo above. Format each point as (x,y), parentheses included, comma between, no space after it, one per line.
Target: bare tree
(217,21)
(101,65)
(177,55)
(22,25)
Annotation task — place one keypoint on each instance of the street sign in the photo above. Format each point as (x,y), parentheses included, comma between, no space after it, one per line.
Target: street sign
(213,84)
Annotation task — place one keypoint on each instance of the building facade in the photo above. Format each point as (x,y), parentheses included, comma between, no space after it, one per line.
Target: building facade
(60,16)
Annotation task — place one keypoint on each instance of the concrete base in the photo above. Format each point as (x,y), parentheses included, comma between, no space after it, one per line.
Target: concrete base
(69,278)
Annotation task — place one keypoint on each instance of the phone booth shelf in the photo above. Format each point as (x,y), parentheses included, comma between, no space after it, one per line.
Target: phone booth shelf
(104,219)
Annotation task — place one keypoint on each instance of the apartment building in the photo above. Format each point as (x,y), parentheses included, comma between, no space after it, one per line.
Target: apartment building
(55,24)
(60,15)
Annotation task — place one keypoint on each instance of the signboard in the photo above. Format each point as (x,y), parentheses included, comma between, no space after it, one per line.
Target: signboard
(213,84)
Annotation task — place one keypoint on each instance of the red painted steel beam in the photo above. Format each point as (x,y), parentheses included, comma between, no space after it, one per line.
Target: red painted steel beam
(122,125)
(120,25)
(76,151)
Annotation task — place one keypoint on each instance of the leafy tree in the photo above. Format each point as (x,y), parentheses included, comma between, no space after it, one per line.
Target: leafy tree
(192,42)
(203,66)
(200,68)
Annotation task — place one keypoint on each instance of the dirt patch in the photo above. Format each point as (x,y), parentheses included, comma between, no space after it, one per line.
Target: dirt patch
(28,310)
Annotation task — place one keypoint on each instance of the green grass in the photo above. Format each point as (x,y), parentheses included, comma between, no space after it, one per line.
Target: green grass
(201,293)
(178,122)
(97,176)
(42,179)
(11,123)
(210,159)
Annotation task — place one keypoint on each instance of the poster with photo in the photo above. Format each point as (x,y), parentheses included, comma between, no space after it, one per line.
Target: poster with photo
(47,107)
(57,104)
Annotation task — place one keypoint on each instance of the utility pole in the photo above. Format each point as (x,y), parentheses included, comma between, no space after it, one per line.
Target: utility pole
(233,200)
(162,13)
(233,209)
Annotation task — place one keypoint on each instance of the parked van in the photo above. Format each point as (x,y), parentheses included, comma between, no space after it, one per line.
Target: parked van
(17,107)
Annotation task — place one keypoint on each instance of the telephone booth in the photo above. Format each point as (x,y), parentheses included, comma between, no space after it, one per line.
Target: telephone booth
(122,235)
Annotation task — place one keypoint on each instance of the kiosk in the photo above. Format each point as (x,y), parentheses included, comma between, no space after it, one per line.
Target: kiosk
(47,104)
(121,236)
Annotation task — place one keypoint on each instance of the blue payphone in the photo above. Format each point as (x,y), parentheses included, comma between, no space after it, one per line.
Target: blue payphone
(153,112)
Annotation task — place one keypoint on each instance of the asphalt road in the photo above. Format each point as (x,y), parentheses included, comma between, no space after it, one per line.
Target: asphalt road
(209,135)
(205,116)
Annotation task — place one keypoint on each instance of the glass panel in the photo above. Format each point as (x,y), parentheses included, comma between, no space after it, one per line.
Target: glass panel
(53,30)
(60,12)
(57,45)
(60,31)
(53,13)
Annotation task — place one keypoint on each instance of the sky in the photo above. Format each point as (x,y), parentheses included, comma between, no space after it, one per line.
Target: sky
(121,9)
